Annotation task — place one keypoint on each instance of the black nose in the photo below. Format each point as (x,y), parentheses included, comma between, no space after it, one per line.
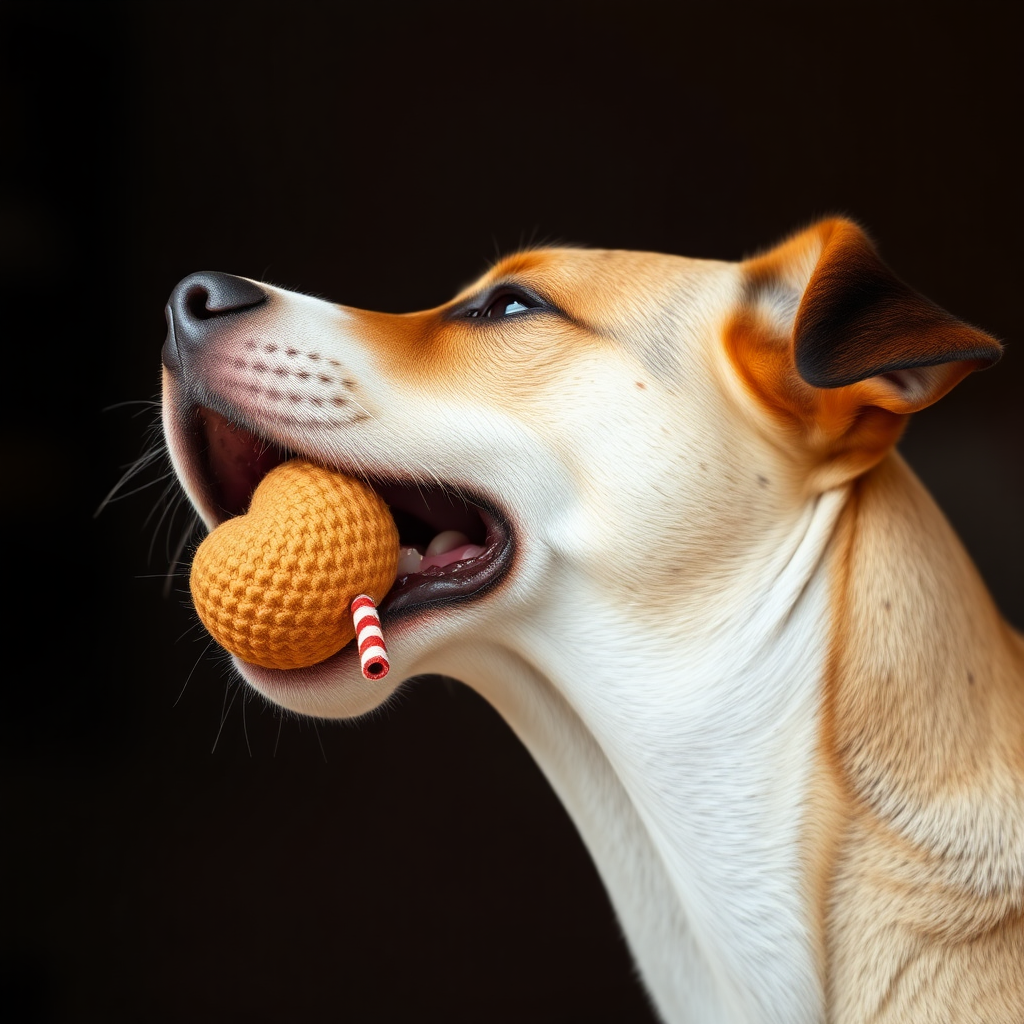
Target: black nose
(197,303)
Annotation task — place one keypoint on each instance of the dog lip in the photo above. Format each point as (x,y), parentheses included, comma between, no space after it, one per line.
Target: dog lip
(458,580)
(231,459)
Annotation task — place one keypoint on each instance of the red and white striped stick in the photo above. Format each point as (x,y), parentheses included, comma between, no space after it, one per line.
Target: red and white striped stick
(373,656)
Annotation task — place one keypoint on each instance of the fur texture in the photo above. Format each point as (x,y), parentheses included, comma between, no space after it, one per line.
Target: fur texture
(732,628)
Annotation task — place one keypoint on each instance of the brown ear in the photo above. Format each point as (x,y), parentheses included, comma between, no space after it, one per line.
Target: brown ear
(858,321)
(832,343)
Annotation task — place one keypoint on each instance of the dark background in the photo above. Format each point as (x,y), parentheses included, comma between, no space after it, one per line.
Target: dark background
(168,860)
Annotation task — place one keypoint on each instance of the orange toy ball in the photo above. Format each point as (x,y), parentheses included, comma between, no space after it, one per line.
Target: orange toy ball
(274,586)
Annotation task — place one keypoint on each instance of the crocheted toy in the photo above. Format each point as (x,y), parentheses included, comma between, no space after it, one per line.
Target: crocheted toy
(275,586)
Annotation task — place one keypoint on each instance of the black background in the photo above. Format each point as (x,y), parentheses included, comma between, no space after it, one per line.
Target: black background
(170,861)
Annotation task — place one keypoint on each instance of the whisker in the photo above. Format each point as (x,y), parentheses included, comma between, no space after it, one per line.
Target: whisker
(194,627)
(188,678)
(176,560)
(173,502)
(277,738)
(167,504)
(148,403)
(134,490)
(323,753)
(171,495)
(139,465)
(225,711)
(245,725)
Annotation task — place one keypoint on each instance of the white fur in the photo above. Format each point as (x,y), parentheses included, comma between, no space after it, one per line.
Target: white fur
(689,803)
(661,659)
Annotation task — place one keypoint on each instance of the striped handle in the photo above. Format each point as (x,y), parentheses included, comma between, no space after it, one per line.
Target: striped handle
(373,656)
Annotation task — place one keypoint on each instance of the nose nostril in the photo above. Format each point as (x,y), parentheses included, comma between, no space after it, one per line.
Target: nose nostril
(198,299)
(209,295)
(196,303)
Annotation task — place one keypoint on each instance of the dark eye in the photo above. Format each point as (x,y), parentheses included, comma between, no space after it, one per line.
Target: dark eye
(505,303)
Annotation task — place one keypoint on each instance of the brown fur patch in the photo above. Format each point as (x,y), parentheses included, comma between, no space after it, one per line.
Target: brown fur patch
(841,430)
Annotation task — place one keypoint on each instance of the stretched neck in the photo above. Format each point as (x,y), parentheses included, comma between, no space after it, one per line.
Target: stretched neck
(686,779)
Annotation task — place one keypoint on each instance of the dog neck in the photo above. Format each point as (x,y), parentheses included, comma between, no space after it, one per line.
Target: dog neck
(924,713)
(684,760)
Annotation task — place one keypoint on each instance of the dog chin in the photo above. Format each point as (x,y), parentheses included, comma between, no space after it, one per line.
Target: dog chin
(335,688)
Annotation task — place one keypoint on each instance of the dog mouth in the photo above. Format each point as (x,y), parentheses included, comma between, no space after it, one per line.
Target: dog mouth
(453,545)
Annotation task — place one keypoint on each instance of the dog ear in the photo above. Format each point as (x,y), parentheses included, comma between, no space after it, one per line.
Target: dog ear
(858,322)
(830,339)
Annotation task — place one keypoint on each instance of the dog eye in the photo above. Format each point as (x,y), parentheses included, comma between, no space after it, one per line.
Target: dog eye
(504,304)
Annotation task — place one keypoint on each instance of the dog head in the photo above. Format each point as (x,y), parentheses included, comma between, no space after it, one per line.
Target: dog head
(630,426)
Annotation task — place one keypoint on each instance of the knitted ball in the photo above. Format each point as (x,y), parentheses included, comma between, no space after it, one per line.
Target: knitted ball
(274,586)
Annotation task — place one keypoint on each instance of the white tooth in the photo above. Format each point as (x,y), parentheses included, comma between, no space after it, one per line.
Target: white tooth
(408,561)
(446,541)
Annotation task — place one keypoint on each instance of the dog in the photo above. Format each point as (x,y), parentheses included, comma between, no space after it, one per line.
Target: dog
(669,538)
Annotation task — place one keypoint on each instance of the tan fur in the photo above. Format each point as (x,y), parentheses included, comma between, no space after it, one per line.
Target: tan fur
(927,893)
(915,834)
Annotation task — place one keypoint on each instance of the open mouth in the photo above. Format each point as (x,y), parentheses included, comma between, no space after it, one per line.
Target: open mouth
(453,546)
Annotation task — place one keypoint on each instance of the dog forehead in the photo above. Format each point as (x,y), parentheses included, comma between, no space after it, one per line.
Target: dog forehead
(583,280)
(650,304)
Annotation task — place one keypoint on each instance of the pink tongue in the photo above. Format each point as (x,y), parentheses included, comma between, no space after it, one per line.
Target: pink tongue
(455,555)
